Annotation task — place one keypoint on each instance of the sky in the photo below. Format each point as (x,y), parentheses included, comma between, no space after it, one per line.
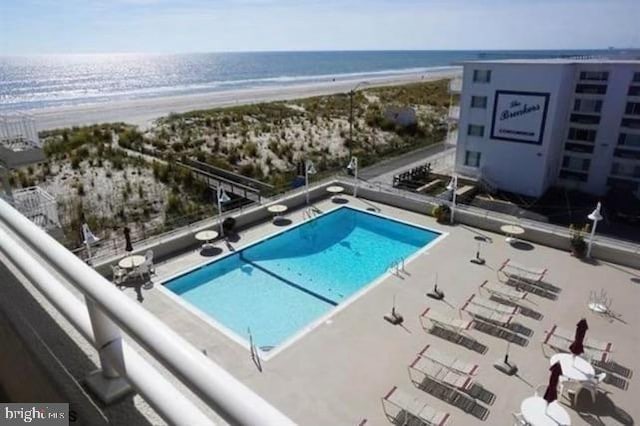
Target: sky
(175,26)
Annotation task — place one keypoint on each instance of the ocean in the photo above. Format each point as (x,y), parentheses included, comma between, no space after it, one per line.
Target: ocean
(36,82)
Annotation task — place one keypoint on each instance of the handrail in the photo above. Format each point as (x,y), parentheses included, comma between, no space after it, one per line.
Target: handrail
(231,399)
(170,403)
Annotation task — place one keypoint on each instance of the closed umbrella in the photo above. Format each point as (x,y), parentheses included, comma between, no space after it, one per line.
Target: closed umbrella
(551,393)
(127,238)
(576,347)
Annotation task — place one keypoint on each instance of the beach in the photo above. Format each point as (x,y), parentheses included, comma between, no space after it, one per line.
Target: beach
(142,112)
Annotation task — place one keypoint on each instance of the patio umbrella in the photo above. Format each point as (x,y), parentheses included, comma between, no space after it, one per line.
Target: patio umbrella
(127,238)
(551,393)
(576,347)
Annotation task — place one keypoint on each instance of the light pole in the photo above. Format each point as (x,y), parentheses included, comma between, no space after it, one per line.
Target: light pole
(453,185)
(352,93)
(596,217)
(309,169)
(222,198)
(353,166)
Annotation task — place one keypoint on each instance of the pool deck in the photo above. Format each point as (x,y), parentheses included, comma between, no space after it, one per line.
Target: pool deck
(338,373)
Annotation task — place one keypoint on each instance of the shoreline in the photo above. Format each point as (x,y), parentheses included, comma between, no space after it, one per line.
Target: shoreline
(142,112)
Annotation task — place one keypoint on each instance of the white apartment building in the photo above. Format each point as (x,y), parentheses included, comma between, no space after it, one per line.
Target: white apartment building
(526,125)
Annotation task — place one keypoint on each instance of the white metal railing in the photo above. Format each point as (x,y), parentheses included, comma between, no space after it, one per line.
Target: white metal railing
(111,312)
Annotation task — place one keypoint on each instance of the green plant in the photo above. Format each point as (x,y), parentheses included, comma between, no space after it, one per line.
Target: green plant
(576,239)
(441,212)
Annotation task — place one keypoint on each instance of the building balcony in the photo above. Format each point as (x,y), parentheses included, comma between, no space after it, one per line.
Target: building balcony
(38,206)
(454,112)
(455,85)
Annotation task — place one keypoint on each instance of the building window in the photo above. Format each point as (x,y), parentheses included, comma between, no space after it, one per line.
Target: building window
(472,158)
(587,105)
(593,89)
(627,139)
(633,108)
(631,123)
(636,77)
(475,130)
(578,147)
(481,76)
(634,91)
(594,75)
(626,153)
(585,119)
(625,170)
(583,135)
(575,163)
(576,176)
(479,102)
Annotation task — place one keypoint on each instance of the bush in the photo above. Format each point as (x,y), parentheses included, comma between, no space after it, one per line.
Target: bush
(442,213)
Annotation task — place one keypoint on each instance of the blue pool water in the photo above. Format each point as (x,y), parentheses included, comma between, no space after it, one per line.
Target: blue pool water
(278,286)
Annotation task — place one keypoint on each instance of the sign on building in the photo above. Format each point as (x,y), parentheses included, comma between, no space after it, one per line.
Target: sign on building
(519,116)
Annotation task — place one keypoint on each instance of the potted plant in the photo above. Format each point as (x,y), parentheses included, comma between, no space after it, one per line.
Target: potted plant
(441,213)
(578,244)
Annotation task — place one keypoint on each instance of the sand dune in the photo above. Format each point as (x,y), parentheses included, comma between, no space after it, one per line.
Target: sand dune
(143,111)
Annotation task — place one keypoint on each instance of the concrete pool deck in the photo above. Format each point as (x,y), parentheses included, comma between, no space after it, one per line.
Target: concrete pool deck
(338,373)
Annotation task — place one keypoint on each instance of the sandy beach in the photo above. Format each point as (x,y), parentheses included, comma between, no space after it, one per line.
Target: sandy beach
(142,112)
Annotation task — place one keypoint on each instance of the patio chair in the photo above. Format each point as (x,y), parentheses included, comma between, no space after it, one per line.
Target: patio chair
(481,313)
(518,272)
(449,361)
(440,374)
(143,271)
(560,344)
(502,291)
(148,260)
(494,306)
(118,274)
(450,323)
(588,341)
(410,410)
(519,420)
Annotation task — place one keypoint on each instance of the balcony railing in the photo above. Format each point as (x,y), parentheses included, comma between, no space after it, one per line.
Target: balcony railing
(455,85)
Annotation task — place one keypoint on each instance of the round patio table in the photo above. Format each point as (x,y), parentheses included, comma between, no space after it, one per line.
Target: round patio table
(131,262)
(206,237)
(537,412)
(574,367)
(512,231)
(335,190)
(277,210)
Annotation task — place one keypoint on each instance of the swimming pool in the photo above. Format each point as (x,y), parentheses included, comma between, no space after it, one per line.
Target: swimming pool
(282,285)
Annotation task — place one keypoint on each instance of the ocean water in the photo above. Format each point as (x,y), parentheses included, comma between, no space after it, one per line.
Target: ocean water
(281,285)
(33,82)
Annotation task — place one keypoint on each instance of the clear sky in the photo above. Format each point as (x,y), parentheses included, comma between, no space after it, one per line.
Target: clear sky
(93,26)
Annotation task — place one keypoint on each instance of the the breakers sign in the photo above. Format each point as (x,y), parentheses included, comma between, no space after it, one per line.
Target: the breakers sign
(519,116)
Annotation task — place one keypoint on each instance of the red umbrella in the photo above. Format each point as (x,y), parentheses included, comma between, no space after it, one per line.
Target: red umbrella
(552,390)
(576,347)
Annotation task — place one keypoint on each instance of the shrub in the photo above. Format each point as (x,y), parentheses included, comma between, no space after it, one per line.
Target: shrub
(442,213)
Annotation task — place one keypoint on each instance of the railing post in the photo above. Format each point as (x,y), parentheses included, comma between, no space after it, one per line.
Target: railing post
(106,382)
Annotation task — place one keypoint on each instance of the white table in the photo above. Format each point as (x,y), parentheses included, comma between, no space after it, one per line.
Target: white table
(131,262)
(335,190)
(574,367)
(206,237)
(277,211)
(536,411)
(512,231)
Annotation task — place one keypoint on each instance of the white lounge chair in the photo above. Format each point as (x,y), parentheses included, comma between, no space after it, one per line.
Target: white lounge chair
(560,344)
(503,291)
(449,361)
(519,420)
(487,315)
(451,323)
(518,272)
(439,373)
(494,306)
(409,410)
